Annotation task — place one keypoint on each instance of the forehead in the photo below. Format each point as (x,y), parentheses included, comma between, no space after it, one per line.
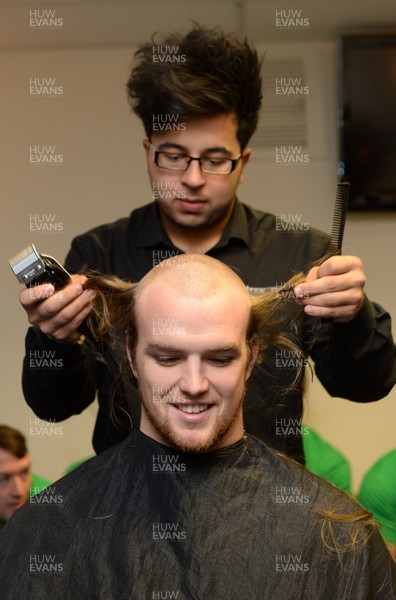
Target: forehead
(206,132)
(168,315)
(11,464)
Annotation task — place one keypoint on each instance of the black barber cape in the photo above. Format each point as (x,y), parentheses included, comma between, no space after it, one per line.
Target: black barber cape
(142,521)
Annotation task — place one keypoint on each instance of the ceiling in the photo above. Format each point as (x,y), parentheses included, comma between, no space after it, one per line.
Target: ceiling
(85,23)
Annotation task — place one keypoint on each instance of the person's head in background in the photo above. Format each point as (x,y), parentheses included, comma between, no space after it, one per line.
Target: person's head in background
(198,95)
(15,475)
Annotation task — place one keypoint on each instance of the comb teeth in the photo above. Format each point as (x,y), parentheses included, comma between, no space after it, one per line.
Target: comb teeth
(339,217)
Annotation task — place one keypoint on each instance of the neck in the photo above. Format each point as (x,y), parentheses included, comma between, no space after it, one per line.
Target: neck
(195,240)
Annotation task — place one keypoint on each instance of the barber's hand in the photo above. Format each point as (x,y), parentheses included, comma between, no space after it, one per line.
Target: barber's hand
(58,314)
(334,290)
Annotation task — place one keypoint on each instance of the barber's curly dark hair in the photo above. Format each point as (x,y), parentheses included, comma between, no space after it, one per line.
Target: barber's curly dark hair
(211,73)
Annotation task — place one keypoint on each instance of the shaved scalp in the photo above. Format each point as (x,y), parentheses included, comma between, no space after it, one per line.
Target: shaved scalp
(195,276)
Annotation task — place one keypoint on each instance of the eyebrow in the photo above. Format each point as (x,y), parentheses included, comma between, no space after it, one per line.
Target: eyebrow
(169,145)
(12,472)
(155,347)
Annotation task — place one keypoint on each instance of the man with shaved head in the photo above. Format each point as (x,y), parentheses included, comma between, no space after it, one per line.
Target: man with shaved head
(201,359)
(190,506)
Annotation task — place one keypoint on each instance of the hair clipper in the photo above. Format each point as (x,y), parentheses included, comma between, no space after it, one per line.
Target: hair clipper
(32,268)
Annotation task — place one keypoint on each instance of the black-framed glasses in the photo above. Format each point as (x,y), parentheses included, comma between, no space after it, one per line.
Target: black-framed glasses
(177,161)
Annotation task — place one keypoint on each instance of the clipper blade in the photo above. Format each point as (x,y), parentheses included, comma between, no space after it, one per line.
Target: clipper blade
(32,268)
(27,265)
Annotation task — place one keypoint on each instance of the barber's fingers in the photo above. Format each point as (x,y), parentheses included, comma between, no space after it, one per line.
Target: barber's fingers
(334,290)
(65,327)
(30,297)
(336,265)
(37,297)
(58,314)
(339,313)
(337,274)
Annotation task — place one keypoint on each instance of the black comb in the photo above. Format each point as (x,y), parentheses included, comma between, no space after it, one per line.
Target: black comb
(339,217)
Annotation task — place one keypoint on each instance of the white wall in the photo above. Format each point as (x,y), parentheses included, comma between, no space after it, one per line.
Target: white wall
(103,177)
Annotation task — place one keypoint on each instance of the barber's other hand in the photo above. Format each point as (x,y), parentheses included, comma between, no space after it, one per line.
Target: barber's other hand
(58,314)
(334,290)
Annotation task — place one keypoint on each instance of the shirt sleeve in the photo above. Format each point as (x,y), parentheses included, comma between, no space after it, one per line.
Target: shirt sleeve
(356,360)
(60,380)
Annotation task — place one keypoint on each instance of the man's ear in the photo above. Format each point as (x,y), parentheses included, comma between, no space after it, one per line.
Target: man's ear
(245,159)
(254,348)
(130,357)
(147,146)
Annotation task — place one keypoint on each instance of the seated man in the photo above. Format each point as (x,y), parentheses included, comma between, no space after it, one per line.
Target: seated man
(189,506)
(15,476)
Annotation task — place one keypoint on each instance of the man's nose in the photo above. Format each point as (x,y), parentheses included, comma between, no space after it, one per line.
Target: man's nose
(18,486)
(193,381)
(193,176)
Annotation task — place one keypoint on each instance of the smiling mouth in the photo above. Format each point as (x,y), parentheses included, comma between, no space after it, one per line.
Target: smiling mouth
(193,408)
(192,200)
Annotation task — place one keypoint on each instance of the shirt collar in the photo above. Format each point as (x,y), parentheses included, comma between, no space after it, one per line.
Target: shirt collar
(236,229)
(151,232)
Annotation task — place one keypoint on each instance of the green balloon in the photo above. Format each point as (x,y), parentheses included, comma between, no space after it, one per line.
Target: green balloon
(324,460)
(378,494)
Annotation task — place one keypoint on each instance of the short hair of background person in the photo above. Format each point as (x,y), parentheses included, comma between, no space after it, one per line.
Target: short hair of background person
(222,77)
(15,475)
